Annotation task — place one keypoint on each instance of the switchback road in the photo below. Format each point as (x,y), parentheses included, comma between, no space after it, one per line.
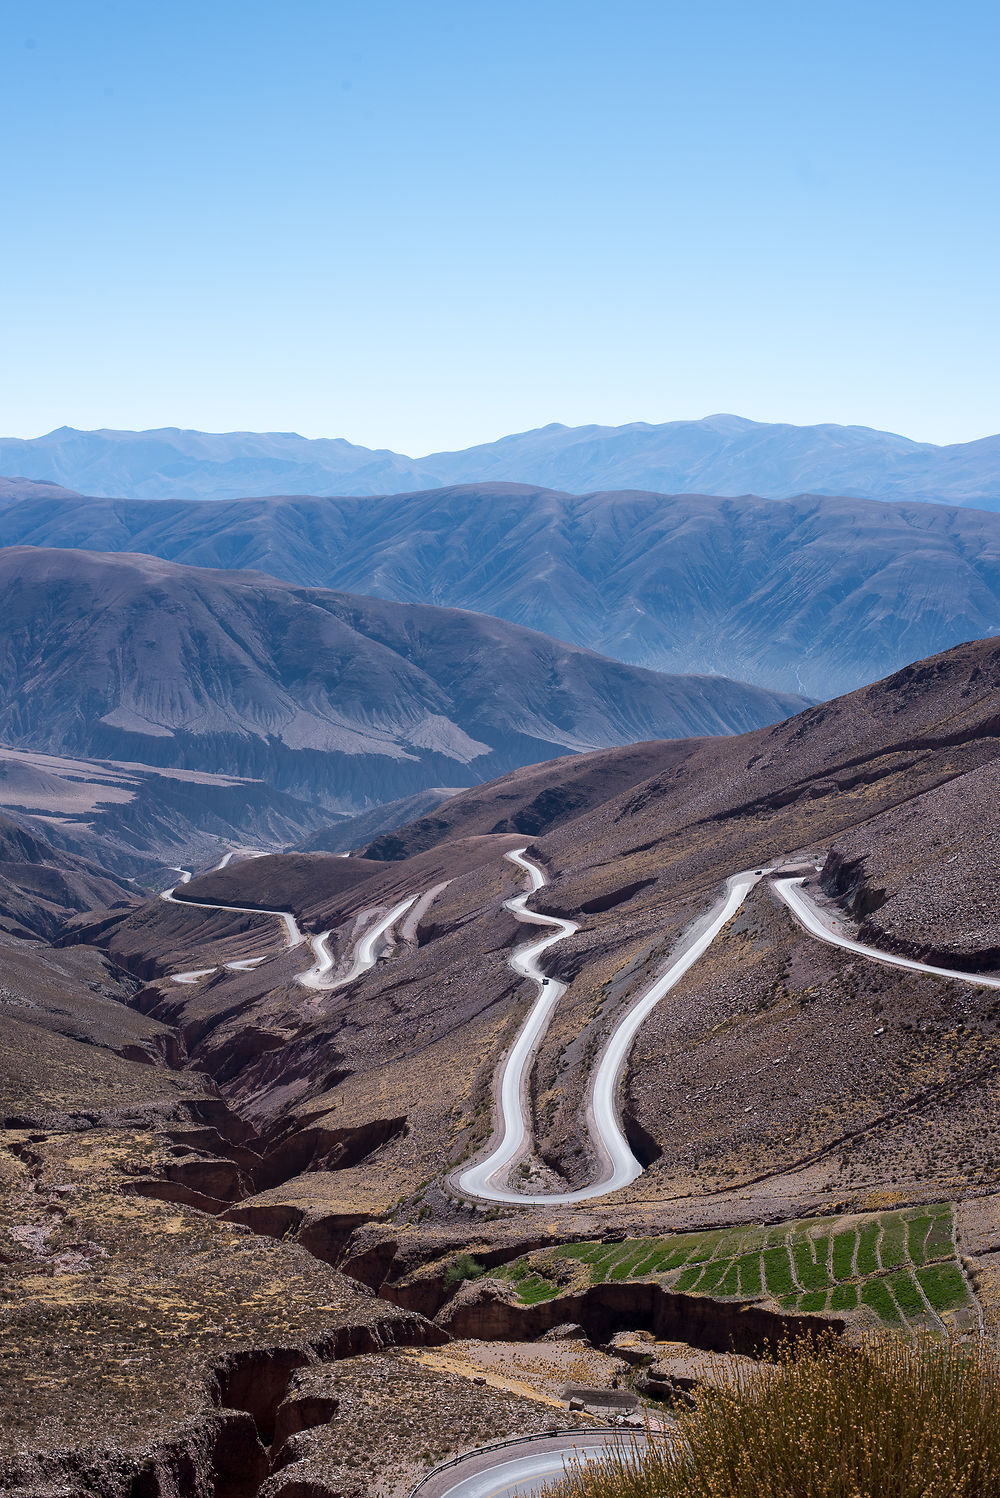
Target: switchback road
(317,976)
(825,927)
(488,1178)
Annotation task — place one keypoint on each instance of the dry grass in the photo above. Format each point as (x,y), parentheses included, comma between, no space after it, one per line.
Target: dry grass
(884,1420)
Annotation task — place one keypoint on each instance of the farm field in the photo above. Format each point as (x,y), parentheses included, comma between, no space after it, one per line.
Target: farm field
(898,1270)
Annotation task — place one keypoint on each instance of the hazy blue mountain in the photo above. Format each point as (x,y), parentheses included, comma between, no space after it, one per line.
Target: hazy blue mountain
(730,456)
(340,700)
(170,463)
(725,455)
(811,594)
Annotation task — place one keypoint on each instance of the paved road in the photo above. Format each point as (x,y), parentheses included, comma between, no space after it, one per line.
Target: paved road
(365,952)
(293,936)
(824,926)
(487,1178)
(245,852)
(482,1179)
(517,1469)
(317,976)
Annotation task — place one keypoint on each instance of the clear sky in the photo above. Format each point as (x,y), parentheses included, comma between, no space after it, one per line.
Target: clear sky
(422,225)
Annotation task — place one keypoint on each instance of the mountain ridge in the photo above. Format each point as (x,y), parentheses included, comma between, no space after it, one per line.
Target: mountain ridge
(812,594)
(719,454)
(337,698)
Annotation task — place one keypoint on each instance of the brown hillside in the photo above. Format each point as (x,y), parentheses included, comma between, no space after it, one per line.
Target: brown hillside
(419,1037)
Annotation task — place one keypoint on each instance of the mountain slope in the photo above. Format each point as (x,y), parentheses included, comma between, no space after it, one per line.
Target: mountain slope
(354,832)
(13,490)
(41,887)
(809,594)
(340,698)
(133,818)
(530,801)
(721,454)
(782,1077)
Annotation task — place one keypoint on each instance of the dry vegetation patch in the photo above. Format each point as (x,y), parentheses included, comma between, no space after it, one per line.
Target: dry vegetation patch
(834,1421)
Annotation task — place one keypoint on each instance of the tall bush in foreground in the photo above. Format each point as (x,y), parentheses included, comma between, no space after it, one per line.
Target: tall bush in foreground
(887,1419)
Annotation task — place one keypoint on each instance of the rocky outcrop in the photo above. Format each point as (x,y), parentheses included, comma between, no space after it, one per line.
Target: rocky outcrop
(218,1456)
(490,1310)
(324,1149)
(229,1451)
(843,879)
(921,878)
(301,1412)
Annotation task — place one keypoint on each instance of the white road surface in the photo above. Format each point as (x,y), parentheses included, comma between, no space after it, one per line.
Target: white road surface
(365,953)
(518,1475)
(233,852)
(515,1473)
(293,936)
(488,1179)
(824,926)
(485,1179)
(317,976)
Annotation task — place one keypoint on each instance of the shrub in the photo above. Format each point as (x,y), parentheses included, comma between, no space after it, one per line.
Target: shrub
(462,1267)
(888,1419)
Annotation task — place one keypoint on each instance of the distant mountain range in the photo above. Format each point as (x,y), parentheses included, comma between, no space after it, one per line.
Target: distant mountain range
(342,701)
(724,455)
(810,595)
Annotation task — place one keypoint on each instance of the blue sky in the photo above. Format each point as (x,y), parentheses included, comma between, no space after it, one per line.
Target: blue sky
(425,225)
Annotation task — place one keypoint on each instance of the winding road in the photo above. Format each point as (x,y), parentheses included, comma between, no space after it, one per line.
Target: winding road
(365,953)
(506,1473)
(488,1178)
(316,976)
(293,936)
(820,924)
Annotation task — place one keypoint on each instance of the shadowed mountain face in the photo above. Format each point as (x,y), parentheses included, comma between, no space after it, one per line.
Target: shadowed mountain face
(354,832)
(529,801)
(132,818)
(718,455)
(41,887)
(340,698)
(812,595)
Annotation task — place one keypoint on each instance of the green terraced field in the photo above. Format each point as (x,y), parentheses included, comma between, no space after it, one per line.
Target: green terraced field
(895,1269)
